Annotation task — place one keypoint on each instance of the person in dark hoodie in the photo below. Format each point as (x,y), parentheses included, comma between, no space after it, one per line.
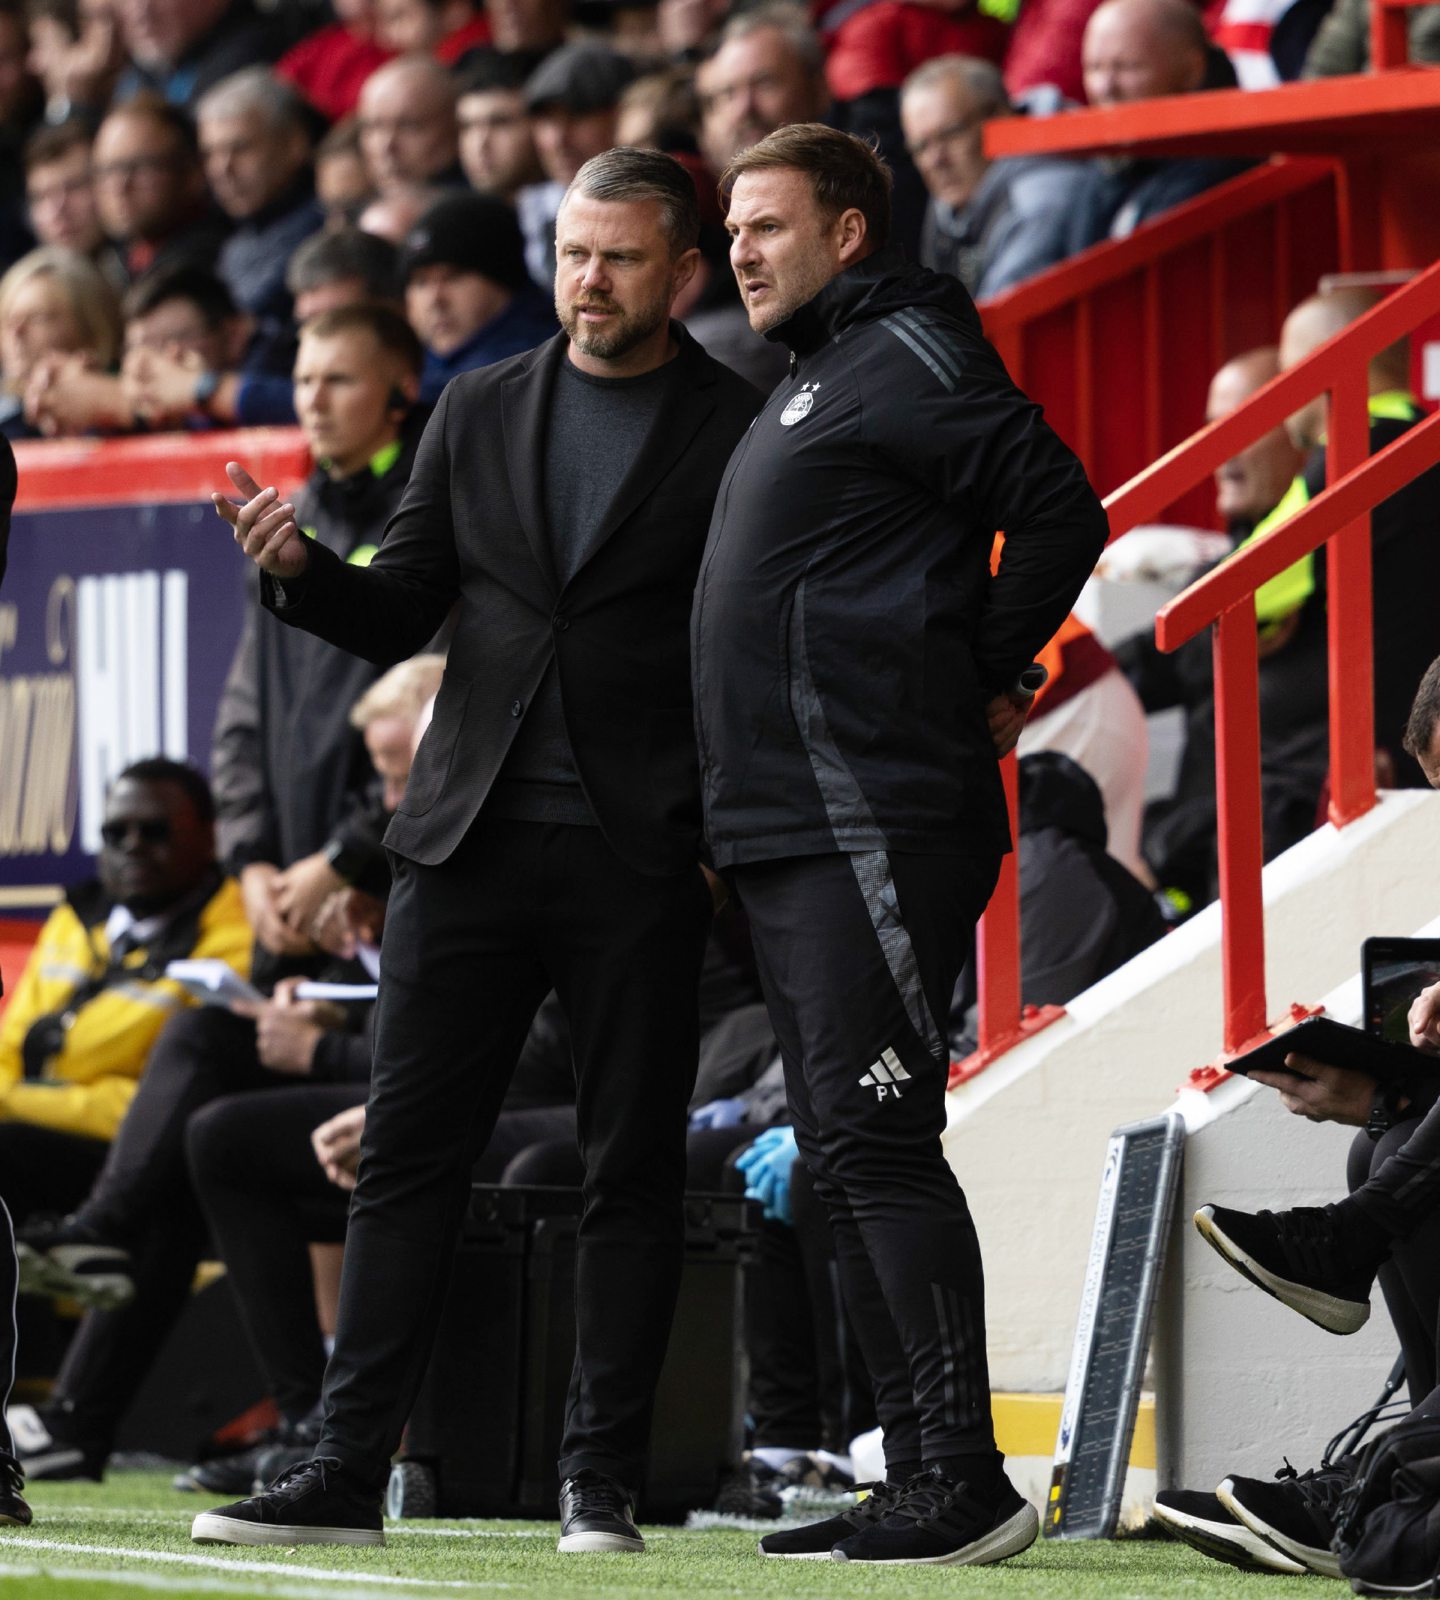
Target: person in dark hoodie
(857,672)
(1082,914)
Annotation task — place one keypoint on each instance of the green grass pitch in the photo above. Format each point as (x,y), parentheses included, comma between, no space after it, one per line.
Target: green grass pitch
(130,1537)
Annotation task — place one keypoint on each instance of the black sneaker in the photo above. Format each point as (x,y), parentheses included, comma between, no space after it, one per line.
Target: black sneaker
(938,1521)
(1199,1520)
(597,1517)
(317,1502)
(14,1512)
(63,1257)
(1295,1512)
(47,1450)
(816,1540)
(1300,1256)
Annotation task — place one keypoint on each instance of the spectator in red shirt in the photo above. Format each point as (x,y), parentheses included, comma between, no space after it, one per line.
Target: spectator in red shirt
(445,29)
(330,66)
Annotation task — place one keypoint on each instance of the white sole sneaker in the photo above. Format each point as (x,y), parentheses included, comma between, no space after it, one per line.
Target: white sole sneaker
(1324,1310)
(1229,1541)
(599,1544)
(1016,1534)
(208,1528)
(1311,1557)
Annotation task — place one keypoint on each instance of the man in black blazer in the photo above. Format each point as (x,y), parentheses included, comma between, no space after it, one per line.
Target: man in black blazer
(549,836)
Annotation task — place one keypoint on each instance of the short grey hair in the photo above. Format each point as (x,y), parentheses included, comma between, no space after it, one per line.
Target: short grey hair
(254,89)
(627,173)
(980,79)
(788,20)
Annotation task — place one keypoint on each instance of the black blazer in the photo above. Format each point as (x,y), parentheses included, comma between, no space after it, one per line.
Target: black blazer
(471,529)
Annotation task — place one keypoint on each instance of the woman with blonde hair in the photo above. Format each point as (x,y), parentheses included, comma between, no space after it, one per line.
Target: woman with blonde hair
(56,311)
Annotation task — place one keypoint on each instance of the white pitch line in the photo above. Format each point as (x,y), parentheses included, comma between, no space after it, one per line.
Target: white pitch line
(280,1568)
(171,1519)
(152,1581)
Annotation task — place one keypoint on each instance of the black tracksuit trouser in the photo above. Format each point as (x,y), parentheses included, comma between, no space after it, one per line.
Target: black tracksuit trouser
(858,956)
(471,948)
(9,1282)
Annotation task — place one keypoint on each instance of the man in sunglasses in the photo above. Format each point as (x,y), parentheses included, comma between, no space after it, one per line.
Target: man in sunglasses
(87,1010)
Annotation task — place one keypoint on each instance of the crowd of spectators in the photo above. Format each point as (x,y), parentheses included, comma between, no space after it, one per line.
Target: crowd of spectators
(216,138)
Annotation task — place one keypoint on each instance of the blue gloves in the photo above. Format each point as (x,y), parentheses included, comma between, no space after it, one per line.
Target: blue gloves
(718,1114)
(767,1165)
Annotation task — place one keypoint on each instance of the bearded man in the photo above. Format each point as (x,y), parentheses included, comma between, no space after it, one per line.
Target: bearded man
(549,837)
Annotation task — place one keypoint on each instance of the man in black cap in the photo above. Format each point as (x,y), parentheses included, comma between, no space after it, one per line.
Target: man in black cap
(573,98)
(467,293)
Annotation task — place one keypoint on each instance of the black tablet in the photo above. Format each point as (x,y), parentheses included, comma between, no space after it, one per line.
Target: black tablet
(1337,1045)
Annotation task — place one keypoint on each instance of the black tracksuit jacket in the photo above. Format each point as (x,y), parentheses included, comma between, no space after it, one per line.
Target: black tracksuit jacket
(846,632)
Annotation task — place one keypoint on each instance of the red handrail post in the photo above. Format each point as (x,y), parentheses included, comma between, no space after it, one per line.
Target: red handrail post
(1389,36)
(997,947)
(1237,784)
(1349,621)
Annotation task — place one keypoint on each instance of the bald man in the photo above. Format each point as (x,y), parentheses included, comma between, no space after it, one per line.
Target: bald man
(1145,50)
(1405,563)
(408,130)
(1179,836)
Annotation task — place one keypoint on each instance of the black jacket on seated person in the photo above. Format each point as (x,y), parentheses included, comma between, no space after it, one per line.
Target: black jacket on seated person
(471,529)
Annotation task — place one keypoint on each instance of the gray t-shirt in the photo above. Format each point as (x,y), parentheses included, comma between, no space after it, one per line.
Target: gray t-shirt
(597,427)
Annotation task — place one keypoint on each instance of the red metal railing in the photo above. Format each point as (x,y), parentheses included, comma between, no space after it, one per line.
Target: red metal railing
(1389,40)
(1121,388)
(1340,517)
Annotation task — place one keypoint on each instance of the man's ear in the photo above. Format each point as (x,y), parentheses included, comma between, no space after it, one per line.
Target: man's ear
(854,236)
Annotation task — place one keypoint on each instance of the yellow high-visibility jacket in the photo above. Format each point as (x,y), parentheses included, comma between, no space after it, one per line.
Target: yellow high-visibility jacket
(80,1070)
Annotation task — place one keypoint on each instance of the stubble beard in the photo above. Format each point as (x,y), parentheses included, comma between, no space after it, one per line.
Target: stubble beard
(615,339)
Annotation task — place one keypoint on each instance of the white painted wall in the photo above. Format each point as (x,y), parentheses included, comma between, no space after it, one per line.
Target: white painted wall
(1027,1136)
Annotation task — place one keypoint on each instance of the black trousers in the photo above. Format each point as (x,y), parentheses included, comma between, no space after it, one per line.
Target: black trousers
(858,955)
(471,948)
(1410,1279)
(9,1282)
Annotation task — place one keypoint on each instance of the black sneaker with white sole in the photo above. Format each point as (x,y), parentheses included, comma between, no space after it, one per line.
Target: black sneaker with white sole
(47,1449)
(1302,1256)
(1199,1520)
(816,1540)
(14,1511)
(940,1521)
(1294,1512)
(317,1502)
(64,1258)
(597,1517)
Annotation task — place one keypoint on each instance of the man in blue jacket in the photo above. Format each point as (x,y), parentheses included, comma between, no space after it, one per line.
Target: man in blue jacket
(856,671)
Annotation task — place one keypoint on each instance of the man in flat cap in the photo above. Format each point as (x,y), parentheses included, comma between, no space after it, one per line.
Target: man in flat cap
(573,98)
(467,293)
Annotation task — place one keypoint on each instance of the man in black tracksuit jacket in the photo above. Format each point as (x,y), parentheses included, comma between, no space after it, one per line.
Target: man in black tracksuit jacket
(848,647)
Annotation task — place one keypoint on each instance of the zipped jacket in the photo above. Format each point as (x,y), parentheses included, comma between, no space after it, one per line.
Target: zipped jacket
(846,633)
(79,1028)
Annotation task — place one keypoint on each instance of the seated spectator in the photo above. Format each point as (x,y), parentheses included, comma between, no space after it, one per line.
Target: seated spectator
(330,66)
(180,48)
(660,111)
(1082,913)
(328,271)
(686,27)
(497,149)
(767,70)
(182,326)
(60,193)
(150,188)
(1179,831)
(992,224)
(445,29)
(20,110)
(54,307)
(573,98)
(467,293)
(1342,41)
(255,143)
(76,51)
(1143,50)
(342,181)
(407,125)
